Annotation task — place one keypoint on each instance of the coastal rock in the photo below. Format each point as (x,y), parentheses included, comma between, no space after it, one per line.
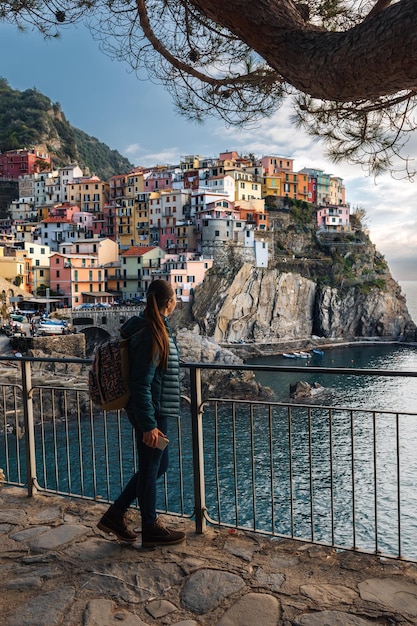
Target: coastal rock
(197,349)
(259,305)
(355,314)
(268,306)
(301,389)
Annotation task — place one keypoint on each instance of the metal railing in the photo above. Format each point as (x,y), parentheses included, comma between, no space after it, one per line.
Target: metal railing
(333,475)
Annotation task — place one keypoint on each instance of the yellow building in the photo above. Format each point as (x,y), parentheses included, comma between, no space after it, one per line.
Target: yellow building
(247,186)
(271,185)
(131,209)
(15,267)
(336,191)
(90,194)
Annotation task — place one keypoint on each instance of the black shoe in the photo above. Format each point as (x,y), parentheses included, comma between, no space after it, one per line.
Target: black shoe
(113,521)
(157,534)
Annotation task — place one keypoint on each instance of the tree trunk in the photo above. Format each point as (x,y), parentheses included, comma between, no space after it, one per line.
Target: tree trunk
(378,57)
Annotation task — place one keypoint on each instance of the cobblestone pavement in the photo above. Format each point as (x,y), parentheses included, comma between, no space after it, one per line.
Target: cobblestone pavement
(57,568)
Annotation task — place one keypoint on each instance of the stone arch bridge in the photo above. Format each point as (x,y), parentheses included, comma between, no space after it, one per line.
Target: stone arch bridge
(100,325)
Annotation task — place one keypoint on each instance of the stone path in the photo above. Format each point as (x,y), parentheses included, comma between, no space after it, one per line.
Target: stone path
(58,569)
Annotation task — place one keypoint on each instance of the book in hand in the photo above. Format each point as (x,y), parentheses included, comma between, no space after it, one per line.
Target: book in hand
(162,442)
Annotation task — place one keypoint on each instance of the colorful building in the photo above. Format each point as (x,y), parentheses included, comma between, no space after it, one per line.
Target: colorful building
(14,163)
(136,270)
(184,272)
(78,279)
(333,218)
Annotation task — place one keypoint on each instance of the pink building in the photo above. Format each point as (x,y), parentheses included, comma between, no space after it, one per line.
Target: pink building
(184,272)
(78,278)
(333,218)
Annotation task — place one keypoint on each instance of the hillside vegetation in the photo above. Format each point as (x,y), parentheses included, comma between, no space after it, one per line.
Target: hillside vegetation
(29,119)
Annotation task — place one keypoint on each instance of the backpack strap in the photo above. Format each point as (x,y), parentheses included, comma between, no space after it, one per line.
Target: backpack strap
(134,339)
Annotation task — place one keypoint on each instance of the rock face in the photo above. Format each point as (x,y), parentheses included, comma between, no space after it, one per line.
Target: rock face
(269,306)
(377,314)
(197,349)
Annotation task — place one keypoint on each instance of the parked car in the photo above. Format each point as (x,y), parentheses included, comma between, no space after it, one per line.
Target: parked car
(83,306)
(52,329)
(17,317)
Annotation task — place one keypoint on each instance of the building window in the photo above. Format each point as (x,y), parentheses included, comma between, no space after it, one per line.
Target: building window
(76,287)
(190,279)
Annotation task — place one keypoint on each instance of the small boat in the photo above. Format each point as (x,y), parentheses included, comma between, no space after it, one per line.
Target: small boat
(289,356)
(318,352)
(297,355)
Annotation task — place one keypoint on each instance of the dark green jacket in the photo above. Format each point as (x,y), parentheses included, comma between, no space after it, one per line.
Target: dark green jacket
(154,391)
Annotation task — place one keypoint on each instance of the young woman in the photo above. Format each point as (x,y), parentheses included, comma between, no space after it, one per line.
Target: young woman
(155,398)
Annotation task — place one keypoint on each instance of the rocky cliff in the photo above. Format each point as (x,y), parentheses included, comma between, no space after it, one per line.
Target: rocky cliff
(267,306)
(330,284)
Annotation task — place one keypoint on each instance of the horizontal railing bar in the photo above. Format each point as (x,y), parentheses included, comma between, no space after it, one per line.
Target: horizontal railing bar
(306,406)
(344,371)
(306,369)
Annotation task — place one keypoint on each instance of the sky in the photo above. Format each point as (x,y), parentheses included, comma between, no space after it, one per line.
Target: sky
(105,99)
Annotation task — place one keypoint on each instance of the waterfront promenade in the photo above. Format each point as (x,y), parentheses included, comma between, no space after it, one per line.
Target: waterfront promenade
(58,569)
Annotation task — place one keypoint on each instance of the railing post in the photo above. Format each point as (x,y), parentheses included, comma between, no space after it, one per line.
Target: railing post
(29,427)
(198,453)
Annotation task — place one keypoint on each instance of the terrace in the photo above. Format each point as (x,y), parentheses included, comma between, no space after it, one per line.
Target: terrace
(340,477)
(296,514)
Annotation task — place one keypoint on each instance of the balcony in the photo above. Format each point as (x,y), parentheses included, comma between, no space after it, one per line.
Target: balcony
(336,476)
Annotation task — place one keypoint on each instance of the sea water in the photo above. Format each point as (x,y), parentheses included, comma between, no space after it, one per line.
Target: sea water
(388,424)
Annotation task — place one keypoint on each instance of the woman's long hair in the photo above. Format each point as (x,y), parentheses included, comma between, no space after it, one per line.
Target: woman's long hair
(159,292)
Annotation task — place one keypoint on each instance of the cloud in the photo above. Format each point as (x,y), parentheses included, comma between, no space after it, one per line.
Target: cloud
(389,200)
(132,149)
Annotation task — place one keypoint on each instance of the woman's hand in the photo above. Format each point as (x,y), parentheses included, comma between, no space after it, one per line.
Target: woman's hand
(150,438)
